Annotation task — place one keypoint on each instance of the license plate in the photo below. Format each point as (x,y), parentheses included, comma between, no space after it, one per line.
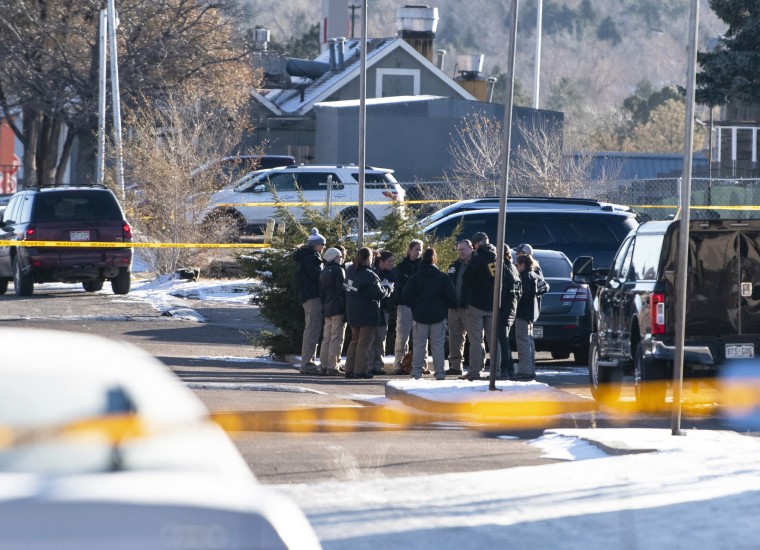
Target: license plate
(740,351)
(80,235)
(538,332)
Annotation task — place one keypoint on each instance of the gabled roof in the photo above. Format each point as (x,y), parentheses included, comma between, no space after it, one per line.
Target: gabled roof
(300,100)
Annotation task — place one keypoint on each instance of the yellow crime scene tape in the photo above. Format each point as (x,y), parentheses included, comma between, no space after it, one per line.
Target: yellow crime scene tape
(335,203)
(92,244)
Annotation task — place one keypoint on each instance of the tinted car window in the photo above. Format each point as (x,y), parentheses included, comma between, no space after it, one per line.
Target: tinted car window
(53,207)
(282,182)
(617,265)
(523,229)
(555,267)
(9,216)
(646,256)
(470,225)
(581,231)
(374,178)
(315,181)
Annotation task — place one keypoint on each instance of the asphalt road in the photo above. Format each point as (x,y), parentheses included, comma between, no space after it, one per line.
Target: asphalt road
(279,453)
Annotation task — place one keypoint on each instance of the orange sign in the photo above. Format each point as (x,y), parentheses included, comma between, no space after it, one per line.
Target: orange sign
(9,162)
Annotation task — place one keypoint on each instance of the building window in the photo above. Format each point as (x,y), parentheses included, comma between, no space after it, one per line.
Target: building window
(396,82)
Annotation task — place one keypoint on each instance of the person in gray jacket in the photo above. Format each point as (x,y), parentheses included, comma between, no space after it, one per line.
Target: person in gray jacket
(363,295)
(333,297)
(430,293)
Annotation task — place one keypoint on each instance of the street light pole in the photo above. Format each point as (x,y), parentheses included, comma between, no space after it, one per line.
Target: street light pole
(682,265)
(362,126)
(537,76)
(115,98)
(502,220)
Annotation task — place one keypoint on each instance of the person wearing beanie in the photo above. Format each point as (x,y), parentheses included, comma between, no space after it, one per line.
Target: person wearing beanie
(333,298)
(309,260)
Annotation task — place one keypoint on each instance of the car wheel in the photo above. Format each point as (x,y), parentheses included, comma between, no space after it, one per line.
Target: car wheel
(122,282)
(606,382)
(23,283)
(3,286)
(93,285)
(649,382)
(224,227)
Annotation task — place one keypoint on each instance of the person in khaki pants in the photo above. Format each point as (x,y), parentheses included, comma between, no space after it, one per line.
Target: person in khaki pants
(309,260)
(479,279)
(458,314)
(333,297)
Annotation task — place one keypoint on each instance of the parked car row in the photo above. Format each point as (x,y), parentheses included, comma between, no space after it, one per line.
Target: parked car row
(635,306)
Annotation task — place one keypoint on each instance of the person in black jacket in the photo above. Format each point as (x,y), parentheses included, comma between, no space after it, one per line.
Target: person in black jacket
(383,267)
(333,297)
(430,294)
(479,279)
(458,314)
(511,291)
(309,260)
(405,269)
(363,295)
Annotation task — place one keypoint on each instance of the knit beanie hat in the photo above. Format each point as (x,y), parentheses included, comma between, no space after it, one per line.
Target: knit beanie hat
(331,254)
(315,238)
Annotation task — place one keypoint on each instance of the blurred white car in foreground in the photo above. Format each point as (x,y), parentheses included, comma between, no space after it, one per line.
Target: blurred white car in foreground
(102,447)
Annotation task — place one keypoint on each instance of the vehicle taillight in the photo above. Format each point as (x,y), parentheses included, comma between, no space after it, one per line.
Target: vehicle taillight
(126,231)
(657,313)
(30,234)
(575,294)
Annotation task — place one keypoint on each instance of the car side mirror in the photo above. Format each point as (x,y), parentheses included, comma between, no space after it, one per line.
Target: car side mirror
(259,188)
(583,270)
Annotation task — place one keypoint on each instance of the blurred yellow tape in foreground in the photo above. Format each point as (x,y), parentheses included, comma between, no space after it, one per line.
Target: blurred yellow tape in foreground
(90,244)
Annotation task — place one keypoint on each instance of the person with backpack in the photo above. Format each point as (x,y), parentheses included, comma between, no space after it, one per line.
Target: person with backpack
(430,293)
(528,310)
(333,298)
(364,293)
(309,260)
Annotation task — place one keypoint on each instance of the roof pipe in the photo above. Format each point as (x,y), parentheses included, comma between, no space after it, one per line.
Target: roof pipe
(339,47)
(331,47)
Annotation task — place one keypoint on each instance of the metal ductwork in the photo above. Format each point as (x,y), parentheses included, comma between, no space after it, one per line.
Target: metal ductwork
(306,68)
(417,24)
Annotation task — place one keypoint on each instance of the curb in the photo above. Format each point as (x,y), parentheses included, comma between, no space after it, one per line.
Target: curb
(513,406)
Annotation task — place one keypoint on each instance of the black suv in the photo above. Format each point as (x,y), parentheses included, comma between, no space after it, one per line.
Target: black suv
(575,227)
(70,214)
(634,309)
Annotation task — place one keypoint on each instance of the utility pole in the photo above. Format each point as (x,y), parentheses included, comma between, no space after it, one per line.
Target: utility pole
(353,8)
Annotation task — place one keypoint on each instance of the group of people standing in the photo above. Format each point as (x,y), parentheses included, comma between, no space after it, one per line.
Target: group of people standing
(427,303)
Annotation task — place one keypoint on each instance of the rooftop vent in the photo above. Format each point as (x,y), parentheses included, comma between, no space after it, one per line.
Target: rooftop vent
(417,25)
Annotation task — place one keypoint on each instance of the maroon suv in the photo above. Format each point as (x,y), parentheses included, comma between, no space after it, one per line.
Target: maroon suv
(65,214)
